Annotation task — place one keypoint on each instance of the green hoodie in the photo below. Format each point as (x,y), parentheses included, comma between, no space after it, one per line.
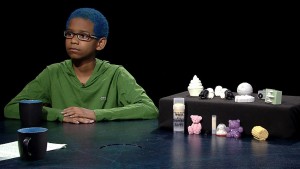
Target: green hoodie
(111,92)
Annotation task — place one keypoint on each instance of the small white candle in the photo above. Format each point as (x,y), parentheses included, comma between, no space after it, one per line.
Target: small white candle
(213,124)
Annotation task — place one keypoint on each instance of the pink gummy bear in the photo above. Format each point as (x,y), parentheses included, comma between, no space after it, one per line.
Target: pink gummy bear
(196,127)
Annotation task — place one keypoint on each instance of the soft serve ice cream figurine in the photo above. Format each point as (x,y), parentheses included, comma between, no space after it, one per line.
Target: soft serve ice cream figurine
(195,87)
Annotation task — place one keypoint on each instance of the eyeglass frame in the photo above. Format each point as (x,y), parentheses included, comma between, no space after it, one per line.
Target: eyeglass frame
(78,35)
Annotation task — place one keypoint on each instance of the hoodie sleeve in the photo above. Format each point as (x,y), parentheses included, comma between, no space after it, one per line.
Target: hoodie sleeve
(133,102)
(36,89)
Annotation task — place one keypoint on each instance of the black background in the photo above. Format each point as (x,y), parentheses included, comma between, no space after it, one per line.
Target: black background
(162,45)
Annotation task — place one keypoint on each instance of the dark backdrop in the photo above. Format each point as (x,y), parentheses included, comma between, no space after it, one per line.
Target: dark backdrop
(162,45)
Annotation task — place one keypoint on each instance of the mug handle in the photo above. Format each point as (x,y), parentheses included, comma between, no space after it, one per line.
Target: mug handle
(26,144)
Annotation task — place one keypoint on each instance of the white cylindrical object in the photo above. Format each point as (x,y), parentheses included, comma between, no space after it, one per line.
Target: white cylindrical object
(213,124)
(178,115)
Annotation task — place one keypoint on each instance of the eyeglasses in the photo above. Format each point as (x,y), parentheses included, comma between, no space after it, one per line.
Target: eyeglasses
(81,36)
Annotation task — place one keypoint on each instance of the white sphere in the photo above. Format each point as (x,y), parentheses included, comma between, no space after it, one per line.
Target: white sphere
(244,89)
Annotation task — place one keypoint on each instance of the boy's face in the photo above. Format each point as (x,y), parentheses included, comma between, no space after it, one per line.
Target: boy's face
(87,46)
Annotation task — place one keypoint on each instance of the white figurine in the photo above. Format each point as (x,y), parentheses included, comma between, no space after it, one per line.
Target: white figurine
(222,93)
(218,90)
(221,130)
(195,86)
(211,93)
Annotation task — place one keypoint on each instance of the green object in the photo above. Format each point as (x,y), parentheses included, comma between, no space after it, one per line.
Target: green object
(111,92)
(273,96)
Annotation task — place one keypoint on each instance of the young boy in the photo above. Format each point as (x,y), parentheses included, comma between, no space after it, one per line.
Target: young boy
(85,89)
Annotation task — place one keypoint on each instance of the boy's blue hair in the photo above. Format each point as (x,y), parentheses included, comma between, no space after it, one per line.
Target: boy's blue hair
(101,28)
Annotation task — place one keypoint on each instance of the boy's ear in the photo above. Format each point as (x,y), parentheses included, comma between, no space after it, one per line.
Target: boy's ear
(101,43)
